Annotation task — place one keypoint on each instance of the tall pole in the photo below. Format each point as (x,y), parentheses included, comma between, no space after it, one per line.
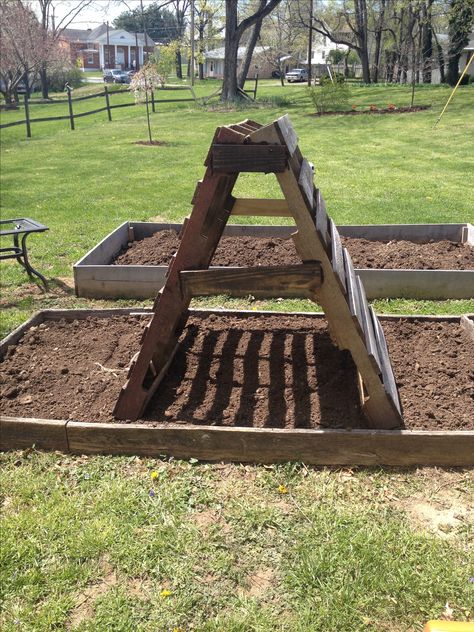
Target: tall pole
(192,42)
(310,40)
(144,29)
(137,61)
(107,57)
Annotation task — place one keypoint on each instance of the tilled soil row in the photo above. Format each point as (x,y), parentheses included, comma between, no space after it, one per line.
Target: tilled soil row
(250,251)
(257,371)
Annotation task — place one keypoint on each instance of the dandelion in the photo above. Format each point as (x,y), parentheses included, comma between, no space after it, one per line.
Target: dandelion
(165,593)
(154,475)
(282,489)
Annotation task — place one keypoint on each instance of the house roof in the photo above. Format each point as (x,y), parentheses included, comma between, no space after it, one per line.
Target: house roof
(219,53)
(99,35)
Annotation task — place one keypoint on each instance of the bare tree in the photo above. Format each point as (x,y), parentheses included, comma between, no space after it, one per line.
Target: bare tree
(23,47)
(233,33)
(52,28)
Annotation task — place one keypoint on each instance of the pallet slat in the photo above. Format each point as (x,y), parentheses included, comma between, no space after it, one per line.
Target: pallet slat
(261,207)
(352,288)
(388,377)
(305,181)
(337,255)
(322,219)
(248,158)
(287,133)
(297,281)
(367,326)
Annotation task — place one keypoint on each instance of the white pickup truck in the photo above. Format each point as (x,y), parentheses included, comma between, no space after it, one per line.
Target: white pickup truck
(297,74)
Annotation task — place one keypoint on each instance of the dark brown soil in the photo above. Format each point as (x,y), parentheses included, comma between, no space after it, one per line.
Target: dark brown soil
(261,371)
(249,251)
(401,110)
(148,143)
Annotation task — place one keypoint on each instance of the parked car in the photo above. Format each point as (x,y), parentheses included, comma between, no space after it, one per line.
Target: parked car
(297,74)
(116,76)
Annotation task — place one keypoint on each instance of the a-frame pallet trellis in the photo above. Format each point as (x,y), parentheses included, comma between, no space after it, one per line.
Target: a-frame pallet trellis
(326,274)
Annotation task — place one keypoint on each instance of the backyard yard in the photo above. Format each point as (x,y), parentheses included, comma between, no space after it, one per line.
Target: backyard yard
(128,543)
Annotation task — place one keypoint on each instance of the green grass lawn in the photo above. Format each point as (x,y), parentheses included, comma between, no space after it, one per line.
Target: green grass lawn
(96,544)
(82,184)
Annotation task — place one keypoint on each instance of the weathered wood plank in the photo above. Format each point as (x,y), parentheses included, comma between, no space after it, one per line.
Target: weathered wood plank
(305,181)
(18,433)
(322,219)
(261,207)
(314,447)
(352,289)
(388,377)
(337,257)
(199,241)
(367,327)
(248,158)
(287,133)
(297,281)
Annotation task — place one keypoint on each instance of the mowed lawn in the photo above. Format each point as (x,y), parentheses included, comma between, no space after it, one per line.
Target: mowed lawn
(372,169)
(163,545)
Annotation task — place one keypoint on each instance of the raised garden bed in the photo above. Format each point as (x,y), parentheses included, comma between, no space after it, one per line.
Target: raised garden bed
(243,386)
(446,248)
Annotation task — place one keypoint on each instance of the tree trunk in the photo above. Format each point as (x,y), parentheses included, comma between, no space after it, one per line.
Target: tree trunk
(378,43)
(202,48)
(254,35)
(427,42)
(233,33)
(44,81)
(442,75)
(361,33)
(179,70)
(229,85)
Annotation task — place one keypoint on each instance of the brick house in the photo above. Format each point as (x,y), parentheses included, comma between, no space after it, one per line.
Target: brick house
(103,47)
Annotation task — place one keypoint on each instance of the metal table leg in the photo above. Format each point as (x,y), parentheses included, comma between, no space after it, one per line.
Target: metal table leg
(22,258)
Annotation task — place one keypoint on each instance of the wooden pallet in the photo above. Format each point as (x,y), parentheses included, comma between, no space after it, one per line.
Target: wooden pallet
(326,274)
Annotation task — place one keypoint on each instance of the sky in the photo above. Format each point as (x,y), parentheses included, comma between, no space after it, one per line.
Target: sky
(99,11)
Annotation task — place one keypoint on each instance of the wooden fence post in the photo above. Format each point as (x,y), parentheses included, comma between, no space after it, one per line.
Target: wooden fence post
(153,100)
(69,100)
(27,116)
(107,102)
(256,86)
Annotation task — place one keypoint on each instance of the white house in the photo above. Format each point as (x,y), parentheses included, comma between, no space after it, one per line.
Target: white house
(261,63)
(104,47)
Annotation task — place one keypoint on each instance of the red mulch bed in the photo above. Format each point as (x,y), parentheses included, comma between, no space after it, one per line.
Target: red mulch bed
(248,251)
(261,371)
(402,110)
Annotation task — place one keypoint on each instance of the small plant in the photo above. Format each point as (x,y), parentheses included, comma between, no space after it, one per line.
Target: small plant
(354,107)
(142,85)
(373,108)
(391,107)
(330,97)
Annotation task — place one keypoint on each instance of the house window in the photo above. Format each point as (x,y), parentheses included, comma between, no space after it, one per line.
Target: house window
(90,58)
(212,66)
(323,54)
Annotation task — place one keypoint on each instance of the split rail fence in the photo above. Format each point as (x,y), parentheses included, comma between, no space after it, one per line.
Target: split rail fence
(108,107)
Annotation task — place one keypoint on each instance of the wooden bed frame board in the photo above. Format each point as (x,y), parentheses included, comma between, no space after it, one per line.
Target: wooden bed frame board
(96,277)
(214,443)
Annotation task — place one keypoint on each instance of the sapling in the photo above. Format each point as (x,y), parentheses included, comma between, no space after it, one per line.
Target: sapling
(142,85)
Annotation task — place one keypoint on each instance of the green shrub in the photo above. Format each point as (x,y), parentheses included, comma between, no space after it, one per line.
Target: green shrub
(58,78)
(330,97)
(337,77)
